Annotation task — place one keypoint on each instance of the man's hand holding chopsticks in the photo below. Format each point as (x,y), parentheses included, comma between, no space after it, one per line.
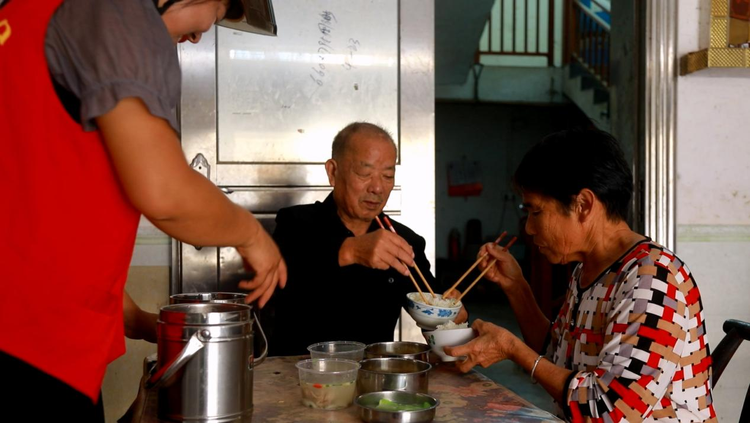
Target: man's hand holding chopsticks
(380,249)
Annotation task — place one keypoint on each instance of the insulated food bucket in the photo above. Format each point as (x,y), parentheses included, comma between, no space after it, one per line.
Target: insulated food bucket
(229,298)
(205,363)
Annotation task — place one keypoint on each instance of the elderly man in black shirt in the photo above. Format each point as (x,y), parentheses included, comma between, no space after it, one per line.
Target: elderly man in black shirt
(346,276)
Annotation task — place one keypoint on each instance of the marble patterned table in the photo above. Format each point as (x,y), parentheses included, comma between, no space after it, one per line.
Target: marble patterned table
(469,397)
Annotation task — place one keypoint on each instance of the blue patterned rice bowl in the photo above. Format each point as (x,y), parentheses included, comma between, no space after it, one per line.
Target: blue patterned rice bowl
(429,316)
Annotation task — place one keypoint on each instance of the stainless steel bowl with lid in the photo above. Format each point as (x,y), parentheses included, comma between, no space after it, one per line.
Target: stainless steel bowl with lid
(382,407)
(399,349)
(393,374)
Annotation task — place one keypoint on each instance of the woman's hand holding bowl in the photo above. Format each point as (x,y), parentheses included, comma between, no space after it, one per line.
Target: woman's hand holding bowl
(493,344)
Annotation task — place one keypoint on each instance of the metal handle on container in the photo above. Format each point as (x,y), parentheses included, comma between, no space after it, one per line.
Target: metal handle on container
(252,361)
(195,344)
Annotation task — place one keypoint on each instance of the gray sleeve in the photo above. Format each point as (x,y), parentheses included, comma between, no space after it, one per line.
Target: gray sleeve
(102,51)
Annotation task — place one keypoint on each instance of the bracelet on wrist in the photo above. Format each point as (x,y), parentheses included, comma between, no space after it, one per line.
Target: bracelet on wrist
(533,368)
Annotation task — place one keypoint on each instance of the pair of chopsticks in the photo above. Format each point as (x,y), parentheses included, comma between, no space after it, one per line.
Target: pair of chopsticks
(476,263)
(390,226)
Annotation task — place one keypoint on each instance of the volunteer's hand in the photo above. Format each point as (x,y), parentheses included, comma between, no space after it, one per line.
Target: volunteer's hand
(492,344)
(262,256)
(139,324)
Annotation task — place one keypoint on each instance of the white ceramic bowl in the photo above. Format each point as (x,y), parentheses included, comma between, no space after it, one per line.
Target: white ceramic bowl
(429,316)
(437,339)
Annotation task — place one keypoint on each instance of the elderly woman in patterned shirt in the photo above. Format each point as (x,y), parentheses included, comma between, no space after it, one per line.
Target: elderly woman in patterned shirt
(629,343)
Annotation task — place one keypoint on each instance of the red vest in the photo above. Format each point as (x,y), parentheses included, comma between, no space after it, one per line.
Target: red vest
(66,227)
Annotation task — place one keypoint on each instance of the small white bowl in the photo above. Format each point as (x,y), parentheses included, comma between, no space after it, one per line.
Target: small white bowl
(429,316)
(437,339)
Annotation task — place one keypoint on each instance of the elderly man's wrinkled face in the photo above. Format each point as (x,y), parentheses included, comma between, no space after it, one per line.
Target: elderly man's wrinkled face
(363,178)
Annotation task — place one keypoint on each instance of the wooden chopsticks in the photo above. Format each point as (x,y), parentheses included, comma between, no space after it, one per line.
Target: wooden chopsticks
(492,263)
(419,272)
(416,285)
(476,263)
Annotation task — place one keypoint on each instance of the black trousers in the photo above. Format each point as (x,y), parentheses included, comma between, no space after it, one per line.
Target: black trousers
(31,395)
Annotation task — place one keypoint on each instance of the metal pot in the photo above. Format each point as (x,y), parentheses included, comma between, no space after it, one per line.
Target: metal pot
(224,298)
(205,363)
(400,349)
(392,374)
(207,297)
(369,412)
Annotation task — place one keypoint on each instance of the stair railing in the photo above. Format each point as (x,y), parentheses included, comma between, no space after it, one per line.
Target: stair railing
(519,33)
(589,39)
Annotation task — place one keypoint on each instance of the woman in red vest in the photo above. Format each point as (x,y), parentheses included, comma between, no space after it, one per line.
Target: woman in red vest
(89,143)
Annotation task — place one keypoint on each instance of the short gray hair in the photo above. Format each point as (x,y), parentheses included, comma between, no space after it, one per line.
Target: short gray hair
(341,140)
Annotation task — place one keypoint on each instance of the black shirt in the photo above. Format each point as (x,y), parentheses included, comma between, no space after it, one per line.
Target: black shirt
(325,302)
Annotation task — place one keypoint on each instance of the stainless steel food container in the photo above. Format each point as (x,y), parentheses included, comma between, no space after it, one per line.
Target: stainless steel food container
(393,374)
(205,362)
(226,298)
(400,349)
(208,297)
(367,404)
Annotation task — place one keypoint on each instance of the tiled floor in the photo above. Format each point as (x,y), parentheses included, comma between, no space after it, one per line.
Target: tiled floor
(506,372)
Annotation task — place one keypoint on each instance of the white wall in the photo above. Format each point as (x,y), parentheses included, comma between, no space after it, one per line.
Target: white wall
(713,195)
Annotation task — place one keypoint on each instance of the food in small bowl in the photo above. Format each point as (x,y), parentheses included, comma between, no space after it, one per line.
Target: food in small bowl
(349,350)
(449,335)
(328,383)
(438,312)
(398,349)
(393,374)
(396,406)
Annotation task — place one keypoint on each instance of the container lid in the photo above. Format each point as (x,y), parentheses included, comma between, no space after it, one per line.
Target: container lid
(205,313)
(208,297)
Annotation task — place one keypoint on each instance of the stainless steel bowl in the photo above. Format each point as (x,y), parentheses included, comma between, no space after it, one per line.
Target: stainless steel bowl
(400,349)
(392,374)
(368,412)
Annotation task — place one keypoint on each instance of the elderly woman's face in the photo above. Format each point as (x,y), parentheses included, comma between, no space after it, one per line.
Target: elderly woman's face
(557,233)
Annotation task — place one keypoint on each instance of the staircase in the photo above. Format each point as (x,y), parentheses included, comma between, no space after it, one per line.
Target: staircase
(588,93)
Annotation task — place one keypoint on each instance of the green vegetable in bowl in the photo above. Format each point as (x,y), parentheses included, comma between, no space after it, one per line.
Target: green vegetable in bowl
(387,405)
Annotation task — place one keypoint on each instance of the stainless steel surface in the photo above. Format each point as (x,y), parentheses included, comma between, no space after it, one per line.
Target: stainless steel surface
(289,173)
(660,121)
(367,404)
(393,374)
(200,165)
(168,369)
(398,349)
(215,382)
(290,95)
(207,297)
(416,175)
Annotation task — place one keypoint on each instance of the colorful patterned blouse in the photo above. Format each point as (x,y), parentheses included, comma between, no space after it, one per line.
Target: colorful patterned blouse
(636,342)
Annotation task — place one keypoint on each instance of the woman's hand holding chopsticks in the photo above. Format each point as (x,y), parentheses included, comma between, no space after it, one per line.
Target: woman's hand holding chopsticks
(488,267)
(482,255)
(505,271)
